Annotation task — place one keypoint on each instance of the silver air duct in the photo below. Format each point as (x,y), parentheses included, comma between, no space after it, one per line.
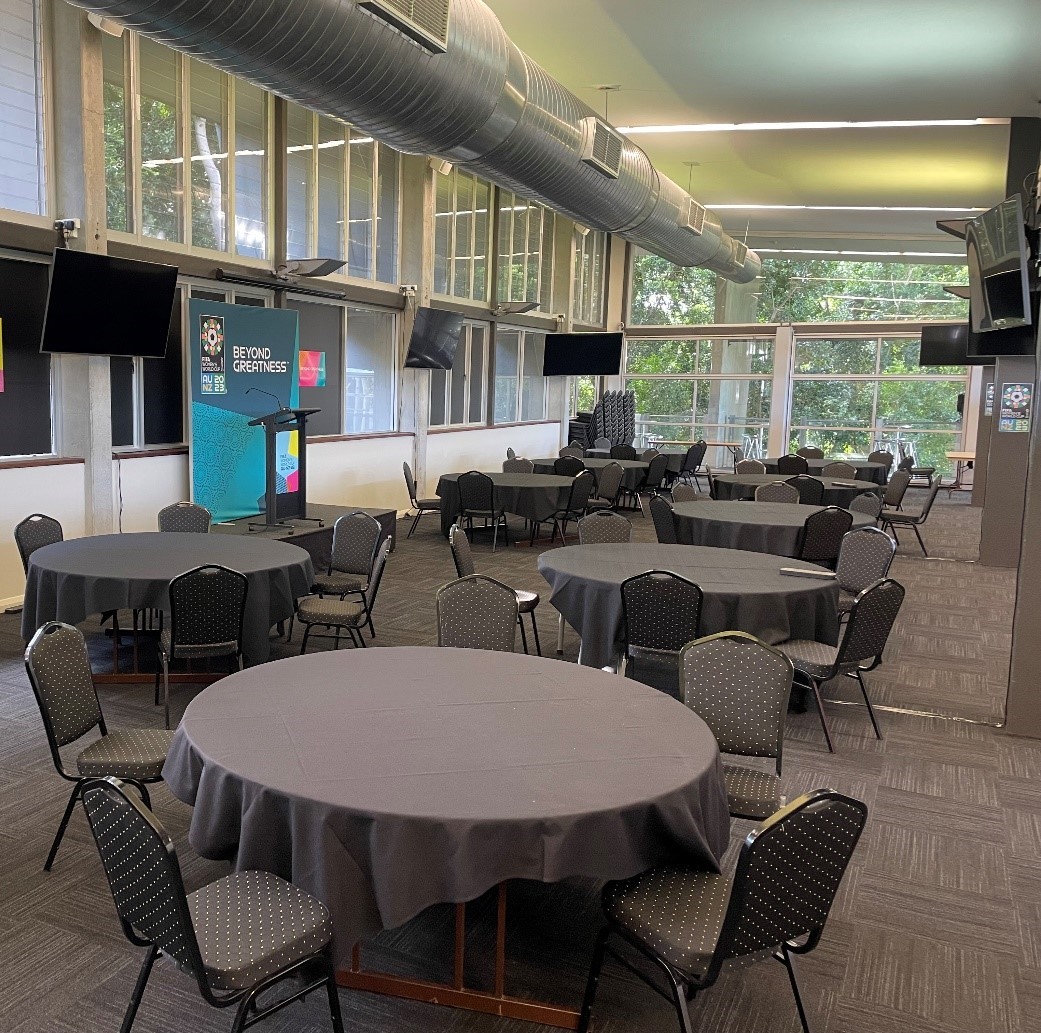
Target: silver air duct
(442,77)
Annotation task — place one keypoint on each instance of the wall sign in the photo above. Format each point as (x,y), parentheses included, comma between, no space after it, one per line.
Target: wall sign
(988,401)
(1016,405)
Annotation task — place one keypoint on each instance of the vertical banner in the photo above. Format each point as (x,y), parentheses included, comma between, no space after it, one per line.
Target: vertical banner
(244,364)
(1017,401)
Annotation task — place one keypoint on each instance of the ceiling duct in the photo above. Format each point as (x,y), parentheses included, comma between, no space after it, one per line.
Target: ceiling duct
(441,77)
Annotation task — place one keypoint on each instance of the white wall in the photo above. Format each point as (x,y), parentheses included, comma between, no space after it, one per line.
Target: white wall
(147,484)
(485,448)
(57,491)
(363,472)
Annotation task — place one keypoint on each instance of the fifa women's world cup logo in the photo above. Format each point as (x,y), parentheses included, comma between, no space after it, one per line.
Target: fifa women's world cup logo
(211,352)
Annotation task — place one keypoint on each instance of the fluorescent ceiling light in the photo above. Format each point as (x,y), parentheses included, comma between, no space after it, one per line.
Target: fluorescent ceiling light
(834,208)
(860,254)
(755,127)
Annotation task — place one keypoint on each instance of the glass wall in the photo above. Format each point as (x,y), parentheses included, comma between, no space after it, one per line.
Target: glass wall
(458,395)
(462,235)
(371,372)
(590,248)
(520,387)
(525,251)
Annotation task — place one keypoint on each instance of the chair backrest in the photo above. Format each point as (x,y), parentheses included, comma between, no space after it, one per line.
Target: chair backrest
(623,452)
(648,454)
(207,605)
(840,470)
(749,466)
(410,483)
(582,488)
(59,672)
(601,443)
(355,539)
(810,489)
(871,619)
(777,491)
(34,532)
(143,873)
(477,612)
(476,492)
(695,457)
(934,489)
(788,873)
(461,554)
(510,454)
(683,492)
(604,528)
(896,488)
(864,558)
(518,465)
(656,470)
(822,533)
(810,452)
(572,450)
(907,462)
(664,520)
(568,466)
(739,455)
(867,502)
(660,610)
(739,687)
(185,516)
(792,464)
(373,587)
(609,483)
(882,456)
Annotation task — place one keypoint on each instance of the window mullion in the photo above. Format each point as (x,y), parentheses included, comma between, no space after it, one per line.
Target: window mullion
(184,131)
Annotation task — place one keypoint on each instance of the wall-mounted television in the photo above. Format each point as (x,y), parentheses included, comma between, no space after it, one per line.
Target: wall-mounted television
(999,268)
(1016,340)
(102,305)
(583,355)
(948,344)
(434,340)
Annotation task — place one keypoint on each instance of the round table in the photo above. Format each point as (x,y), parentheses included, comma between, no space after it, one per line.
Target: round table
(771,527)
(71,580)
(534,496)
(387,780)
(633,471)
(676,457)
(743,591)
(742,486)
(878,473)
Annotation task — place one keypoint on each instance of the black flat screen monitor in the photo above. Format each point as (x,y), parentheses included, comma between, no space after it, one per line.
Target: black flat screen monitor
(999,260)
(100,305)
(948,344)
(435,338)
(583,355)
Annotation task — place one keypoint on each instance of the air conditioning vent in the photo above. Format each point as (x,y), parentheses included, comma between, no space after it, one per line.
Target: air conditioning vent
(601,146)
(693,217)
(740,252)
(423,21)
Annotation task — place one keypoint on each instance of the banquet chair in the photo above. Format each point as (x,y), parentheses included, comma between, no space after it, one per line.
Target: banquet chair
(519,465)
(477,499)
(867,502)
(739,687)
(871,619)
(777,491)
(844,471)
(692,463)
(350,615)
(687,921)
(684,492)
(821,536)
(608,485)
(34,532)
(913,520)
(602,444)
(810,452)
(654,479)
(59,672)
(568,466)
(207,608)
(574,449)
(909,462)
(356,537)
(510,454)
(477,612)
(882,456)
(752,466)
(421,506)
(865,557)
(648,454)
(237,937)
(810,489)
(186,517)
(527,602)
(790,464)
(624,452)
(604,528)
(895,490)
(661,613)
(664,520)
(574,509)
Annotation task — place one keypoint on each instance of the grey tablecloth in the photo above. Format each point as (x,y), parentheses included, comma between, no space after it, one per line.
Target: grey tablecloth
(71,580)
(633,471)
(387,780)
(534,496)
(676,456)
(875,472)
(742,486)
(771,527)
(743,592)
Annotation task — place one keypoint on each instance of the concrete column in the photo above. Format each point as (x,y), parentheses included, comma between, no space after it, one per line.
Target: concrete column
(78,162)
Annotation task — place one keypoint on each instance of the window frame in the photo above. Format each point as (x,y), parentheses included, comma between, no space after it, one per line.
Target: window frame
(524,334)
(510,208)
(485,348)
(588,289)
(451,258)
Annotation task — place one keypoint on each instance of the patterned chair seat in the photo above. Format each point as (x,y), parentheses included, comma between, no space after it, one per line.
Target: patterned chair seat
(428,503)
(813,658)
(318,609)
(338,583)
(251,925)
(526,601)
(751,793)
(186,651)
(677,912)
(126,753)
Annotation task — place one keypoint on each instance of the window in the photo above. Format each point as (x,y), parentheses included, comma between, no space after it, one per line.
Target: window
(582,395)
(342,196)
(457,396)
(664,294)
(525,251)
(520,387)
(590,268)
(23,182)
(462,230)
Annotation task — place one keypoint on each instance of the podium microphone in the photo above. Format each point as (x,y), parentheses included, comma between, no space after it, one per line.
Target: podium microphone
(261,391)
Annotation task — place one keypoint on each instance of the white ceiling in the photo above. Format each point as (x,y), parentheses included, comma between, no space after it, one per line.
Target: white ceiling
(725,61)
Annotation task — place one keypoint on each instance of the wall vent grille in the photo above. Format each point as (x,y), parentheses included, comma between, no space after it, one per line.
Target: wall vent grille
(601,146)
(423,21)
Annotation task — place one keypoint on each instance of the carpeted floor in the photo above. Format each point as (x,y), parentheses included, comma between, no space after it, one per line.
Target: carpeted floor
(937,927)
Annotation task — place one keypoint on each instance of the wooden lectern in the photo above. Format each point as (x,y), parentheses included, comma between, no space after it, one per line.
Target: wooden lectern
(280,506)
